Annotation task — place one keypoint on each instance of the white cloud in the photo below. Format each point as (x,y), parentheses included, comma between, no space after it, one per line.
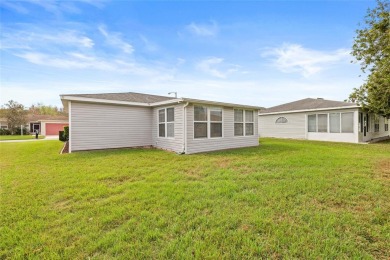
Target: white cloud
(295,58)
(215,66)
(55,7)
(30,39)
(203,29)
(115,39)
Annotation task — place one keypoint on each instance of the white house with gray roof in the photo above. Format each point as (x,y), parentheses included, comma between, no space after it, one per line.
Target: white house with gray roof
(182,125)
(323,120)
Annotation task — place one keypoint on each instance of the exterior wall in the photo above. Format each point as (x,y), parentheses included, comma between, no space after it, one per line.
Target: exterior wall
(371,134)
(294,128)
(176,143)
(101,126)
(337,137)
(228,140)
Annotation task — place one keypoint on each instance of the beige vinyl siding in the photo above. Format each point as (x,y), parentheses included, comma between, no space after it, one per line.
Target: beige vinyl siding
(101,126)
(228,140)
(175,144)
(294,128)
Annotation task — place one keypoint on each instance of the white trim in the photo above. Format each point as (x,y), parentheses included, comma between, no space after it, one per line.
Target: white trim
(308,110)
(70,125)
(165,102)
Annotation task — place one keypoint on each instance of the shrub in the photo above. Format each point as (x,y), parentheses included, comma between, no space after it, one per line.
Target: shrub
(18,131)
(4,131)
(66,133)
(61,136)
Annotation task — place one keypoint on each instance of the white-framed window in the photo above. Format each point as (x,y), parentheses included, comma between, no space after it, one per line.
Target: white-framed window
(376,123)
(238,122)
(166,122)
(4,127)
(387,124)
(243,122)
(249,122)
(338,123)
(281,120)
(207,122)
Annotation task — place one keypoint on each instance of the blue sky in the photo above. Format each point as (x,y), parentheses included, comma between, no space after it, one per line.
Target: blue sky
(251,52)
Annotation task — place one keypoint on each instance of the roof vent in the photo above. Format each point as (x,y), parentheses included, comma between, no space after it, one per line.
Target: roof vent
(320,98)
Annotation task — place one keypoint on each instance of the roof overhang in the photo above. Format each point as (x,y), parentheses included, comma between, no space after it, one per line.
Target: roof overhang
(308,110)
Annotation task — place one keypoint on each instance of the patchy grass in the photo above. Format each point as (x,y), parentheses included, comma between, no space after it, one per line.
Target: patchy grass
(283,199)
(19,137)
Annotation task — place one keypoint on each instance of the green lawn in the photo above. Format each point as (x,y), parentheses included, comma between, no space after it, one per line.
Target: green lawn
(283,199)
(19,137)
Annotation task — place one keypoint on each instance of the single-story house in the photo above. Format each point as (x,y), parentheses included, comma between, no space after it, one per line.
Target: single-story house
(324,120)
(182,125)
(46,124)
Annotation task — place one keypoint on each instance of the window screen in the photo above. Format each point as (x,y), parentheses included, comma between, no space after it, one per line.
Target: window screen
(347,122)
(322,123)
(312,123)
(334,121)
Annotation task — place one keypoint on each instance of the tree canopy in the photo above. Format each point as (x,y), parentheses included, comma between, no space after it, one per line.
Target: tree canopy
(371,49)
(41,109)
(16,115)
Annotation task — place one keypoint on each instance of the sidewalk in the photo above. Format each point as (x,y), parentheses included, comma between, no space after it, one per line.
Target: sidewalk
(47,138)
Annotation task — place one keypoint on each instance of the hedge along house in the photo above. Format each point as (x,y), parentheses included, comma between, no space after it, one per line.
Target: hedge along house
(323,120)
(182,125)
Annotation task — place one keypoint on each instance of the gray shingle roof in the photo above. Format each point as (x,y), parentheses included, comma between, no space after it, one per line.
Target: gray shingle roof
(128,96)
(308,104)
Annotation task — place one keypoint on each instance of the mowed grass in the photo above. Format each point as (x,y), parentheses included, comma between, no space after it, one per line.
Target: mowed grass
(19,137)
(283,199)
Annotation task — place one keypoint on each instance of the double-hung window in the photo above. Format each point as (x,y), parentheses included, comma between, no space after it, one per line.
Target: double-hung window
(376,123)
(243,122)
(166,122)
(249,122)
(207,122)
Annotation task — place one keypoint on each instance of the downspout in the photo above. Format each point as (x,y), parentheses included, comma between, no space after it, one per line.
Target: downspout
(185,128)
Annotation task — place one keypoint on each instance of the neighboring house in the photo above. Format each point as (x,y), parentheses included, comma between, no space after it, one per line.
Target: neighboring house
(182,125)
(3,123)
(324,120)
(46,124)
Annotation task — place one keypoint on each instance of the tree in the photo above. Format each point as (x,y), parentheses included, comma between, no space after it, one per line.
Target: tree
(16,115)
(41,109)
(372,49)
